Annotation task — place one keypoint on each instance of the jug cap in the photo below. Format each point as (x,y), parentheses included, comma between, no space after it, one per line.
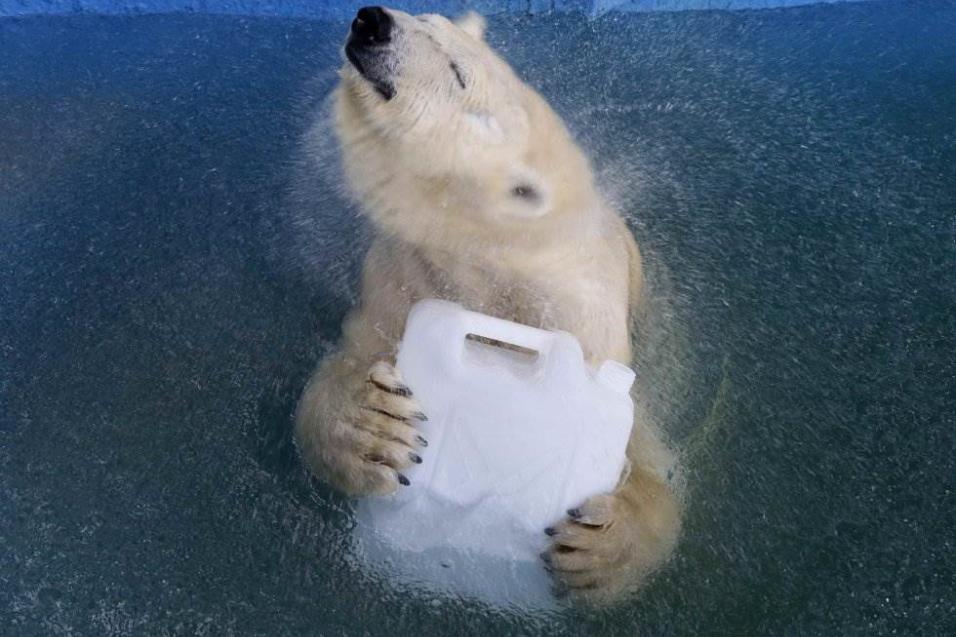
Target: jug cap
(616,377)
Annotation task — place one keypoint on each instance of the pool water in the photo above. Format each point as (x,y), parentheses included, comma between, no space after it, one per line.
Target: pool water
(169,277)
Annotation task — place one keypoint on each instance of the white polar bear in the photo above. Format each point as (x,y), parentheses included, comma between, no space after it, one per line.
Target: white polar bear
(479,196)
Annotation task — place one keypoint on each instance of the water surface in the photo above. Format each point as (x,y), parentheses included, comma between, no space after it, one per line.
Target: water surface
(791,175)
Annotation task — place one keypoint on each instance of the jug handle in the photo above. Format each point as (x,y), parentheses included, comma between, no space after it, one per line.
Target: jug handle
(523,336)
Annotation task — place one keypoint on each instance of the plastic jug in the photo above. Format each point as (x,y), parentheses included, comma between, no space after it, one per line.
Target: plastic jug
(519,430)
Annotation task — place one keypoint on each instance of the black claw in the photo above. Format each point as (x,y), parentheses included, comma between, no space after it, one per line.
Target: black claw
(546,558)
(417,459)
(550,530)
(399,389)
(574,514)
(421,441)
(385,413)
(420,416)
(403,480)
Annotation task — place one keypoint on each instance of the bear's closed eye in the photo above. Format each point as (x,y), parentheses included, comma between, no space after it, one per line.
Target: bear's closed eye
(458,75)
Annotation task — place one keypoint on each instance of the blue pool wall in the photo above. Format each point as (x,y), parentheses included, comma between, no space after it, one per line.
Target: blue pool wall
(325,9)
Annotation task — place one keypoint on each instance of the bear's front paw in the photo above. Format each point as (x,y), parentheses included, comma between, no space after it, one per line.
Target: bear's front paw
(378,439)
(595,556)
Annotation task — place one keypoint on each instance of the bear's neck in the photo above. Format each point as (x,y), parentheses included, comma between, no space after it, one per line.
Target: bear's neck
(520,251)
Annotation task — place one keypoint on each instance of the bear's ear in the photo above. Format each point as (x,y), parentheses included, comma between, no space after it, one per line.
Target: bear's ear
(473,24)
(529,196)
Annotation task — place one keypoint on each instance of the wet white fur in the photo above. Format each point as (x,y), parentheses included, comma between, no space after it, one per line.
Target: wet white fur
(435,168)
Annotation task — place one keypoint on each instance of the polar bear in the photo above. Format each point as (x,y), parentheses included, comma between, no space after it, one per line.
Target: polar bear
(478,195)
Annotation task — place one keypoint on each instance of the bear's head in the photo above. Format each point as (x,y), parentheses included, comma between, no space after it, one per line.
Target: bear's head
(441,141)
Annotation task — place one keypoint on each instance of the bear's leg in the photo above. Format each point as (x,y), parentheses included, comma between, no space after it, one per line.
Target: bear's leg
(606,548)
(355,426)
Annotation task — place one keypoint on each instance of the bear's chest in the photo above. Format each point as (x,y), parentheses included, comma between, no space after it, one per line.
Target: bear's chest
(587,298)
(592,304)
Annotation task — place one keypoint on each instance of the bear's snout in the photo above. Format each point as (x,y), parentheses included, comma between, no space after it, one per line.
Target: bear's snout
(365,48)
(371,26)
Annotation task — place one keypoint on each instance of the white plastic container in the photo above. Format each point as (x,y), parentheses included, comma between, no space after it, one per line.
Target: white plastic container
(519,431)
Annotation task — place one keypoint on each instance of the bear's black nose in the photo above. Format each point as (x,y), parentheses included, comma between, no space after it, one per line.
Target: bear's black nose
(371,26)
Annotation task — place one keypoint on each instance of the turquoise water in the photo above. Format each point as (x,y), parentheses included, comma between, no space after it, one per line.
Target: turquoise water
(165,290)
